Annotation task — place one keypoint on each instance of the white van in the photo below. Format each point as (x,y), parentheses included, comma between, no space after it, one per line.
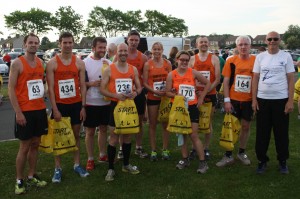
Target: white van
(147,42)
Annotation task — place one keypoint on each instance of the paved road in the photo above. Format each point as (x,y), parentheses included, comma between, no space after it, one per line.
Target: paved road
(7,117)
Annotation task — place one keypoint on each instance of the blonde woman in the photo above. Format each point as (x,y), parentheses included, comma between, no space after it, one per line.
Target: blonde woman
(155,74)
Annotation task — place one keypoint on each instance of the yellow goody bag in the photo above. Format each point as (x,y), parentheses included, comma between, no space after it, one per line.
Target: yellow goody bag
(226,139)
(297,91)
(126,117)
(179,118)
(46,144)
(221,91)
(64,139)
(204,117)
(164,109)
(236,128)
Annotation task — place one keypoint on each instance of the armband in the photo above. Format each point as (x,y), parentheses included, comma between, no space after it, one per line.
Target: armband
(226,99)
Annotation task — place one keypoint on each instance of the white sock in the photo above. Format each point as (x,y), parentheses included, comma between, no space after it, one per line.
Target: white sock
(102,154)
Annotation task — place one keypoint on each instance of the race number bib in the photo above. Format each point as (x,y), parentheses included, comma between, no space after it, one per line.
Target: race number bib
(66,88)
(206,74)
(123,85)
(187,91)
(35,89)
(159,86)
(242,83)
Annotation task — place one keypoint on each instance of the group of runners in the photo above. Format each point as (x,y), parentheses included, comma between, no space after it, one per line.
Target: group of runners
(88,91)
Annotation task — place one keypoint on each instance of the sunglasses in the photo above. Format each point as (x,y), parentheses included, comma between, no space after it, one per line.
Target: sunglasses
(184,60)
(274,39)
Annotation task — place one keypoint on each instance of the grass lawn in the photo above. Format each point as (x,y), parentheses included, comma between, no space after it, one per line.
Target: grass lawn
(161,179)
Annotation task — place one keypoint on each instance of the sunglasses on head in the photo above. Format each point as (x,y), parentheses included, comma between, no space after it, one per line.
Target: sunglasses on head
(274,39)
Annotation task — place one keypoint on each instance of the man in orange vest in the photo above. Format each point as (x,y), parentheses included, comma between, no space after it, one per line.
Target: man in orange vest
(26,91)
(209,65)
(67,91)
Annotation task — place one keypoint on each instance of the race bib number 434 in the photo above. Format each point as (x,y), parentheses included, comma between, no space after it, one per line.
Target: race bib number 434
(35,89)
(66,88)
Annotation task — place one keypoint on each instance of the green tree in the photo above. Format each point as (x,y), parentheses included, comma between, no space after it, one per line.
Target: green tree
(132,20)
(47,44)
(35,20)
(66,19)
(105,21)
(293,42)
(291,37)
(45,41)
(175,27)
(156,22)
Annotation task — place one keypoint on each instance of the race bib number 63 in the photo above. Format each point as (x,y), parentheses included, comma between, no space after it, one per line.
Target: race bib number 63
(35,89)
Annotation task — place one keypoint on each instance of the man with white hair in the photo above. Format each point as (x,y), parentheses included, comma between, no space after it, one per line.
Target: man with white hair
(111,51)
(238,76)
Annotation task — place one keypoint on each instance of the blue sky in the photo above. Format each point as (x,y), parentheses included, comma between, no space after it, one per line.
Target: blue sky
(235,17)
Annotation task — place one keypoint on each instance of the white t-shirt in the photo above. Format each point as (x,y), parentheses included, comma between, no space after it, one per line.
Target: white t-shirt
(273,69)
(94,70)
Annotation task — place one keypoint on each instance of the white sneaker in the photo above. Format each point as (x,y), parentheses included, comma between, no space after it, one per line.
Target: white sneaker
(243,158)
(110,175)
(225,161)
(202,167)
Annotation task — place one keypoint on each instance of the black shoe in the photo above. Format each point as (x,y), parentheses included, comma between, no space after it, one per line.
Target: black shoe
(192,155)
(283,168)
(261,167)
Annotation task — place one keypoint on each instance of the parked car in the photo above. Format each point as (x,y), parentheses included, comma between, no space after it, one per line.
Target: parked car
(50,53)
(82,55)
(3,51)
(295,57)
(3,68)
(14,55)
(40,54)
(17,50)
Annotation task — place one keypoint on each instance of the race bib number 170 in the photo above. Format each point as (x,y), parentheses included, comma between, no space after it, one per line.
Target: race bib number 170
(187,91)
